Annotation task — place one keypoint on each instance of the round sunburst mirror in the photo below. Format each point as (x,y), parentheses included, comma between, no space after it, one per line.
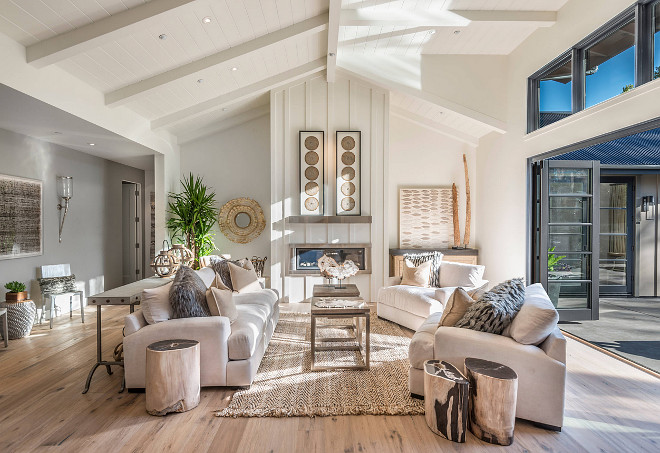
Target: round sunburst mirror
(241,220)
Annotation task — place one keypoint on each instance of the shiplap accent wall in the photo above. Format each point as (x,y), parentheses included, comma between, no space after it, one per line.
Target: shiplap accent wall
(314,104)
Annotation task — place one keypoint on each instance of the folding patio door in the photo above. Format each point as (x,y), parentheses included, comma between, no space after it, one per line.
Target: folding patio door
(565,222)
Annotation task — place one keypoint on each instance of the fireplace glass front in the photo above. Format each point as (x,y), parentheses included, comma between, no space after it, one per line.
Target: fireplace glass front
(307,258)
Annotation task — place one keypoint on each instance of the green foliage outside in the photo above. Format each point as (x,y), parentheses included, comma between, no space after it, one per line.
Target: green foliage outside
(628,87)
(553,259)
(15,287)
(192,216)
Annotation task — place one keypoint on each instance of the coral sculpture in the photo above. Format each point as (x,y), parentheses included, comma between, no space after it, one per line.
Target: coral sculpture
(330,269)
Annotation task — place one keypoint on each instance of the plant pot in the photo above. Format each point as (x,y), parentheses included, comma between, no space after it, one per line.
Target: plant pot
(20,318)
(16,297)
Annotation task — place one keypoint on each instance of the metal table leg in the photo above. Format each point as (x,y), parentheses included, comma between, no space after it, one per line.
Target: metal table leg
(99,359)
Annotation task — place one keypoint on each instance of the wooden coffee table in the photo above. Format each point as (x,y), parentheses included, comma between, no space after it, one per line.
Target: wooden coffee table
(353,308)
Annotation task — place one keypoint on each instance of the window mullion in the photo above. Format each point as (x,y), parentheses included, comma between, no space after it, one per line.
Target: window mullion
(643,44)
(577,93)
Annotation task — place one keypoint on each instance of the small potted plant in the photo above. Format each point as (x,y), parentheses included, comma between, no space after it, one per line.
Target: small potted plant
(16,292)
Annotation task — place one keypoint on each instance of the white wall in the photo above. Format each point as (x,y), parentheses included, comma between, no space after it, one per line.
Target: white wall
(91,240)
(235,163)
(421,157)
(313,104)
(501,160)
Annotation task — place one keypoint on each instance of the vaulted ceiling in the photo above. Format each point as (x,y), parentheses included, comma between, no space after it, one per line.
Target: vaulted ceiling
(190,65)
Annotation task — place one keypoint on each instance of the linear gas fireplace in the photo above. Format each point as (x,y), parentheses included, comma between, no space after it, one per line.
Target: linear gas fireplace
(304,257)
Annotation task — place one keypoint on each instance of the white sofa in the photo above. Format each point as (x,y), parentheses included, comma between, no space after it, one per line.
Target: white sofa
(541,369)
(409,306)
(230,353)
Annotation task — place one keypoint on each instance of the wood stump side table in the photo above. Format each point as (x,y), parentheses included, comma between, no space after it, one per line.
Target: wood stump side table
(20,317)
(172,376)
(493,396)
(445,400)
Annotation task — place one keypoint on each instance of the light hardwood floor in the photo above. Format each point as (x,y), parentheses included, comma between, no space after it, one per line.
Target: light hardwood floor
(610,407)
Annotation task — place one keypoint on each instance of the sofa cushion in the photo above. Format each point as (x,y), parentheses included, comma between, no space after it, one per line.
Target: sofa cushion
(435,258)
(412,299)
(457,305)
(221,303)
(536,319)
(460,274)
(416,275)
(155,304)
(188,295)
(266,297)
(247,330)
(244,279)
(221,267)
(421,345)
(496,309)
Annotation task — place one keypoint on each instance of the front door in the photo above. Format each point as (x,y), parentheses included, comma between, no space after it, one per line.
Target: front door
(617,216)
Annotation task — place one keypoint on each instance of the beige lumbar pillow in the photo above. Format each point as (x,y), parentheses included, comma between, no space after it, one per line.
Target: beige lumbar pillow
(456,307)
(416,276)
(221,303)
(155,304)
(244,280)
(536,319)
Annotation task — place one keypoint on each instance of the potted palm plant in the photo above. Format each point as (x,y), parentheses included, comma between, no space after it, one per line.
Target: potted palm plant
(16,292)
(192,216)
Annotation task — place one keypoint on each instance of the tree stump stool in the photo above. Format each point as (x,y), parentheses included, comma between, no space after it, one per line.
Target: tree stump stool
(172,376)
(493,395)
(445,400)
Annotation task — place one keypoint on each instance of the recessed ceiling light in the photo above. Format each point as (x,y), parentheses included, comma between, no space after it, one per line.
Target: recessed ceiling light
(206,20)
(457,32)
(91,144)
(163,36)
(234,68)
(200,80)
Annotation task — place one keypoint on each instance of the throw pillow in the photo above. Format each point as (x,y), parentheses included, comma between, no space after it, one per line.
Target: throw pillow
(218,283)
(221,303)
(421,257)
(496,309)
(155,304)
(416,275)
(221,266)
(188,295)
(58,285)
(537,317)
(243,280)
(460,274)
(457,305)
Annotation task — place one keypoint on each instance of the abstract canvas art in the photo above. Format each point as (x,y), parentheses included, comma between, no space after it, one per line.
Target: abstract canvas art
(425,218)
(20,217)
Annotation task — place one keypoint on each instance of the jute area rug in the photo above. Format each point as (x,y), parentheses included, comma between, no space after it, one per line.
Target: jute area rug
(285,386)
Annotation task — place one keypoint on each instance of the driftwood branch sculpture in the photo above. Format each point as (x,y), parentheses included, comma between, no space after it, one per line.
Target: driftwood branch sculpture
(468,209)
(454,201)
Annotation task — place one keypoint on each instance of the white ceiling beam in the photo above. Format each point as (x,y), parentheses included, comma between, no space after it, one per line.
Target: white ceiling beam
(435,126)
(66,45)
(238,95)
(387,35)
(444,18)
(333,38)
(222,125)
(130,92)
(493,123)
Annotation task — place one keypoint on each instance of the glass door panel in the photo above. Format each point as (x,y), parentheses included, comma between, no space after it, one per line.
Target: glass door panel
(568,234)
(615,248)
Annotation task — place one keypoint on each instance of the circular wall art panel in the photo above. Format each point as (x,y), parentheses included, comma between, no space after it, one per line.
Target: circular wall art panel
(311,204)
(347,204)
(348,188)
(241,220)
(348,173)
(348,168)
(348,158)
(348,143)
(311,173)
(311,188)
(311,158)
(311,143)
(311,149)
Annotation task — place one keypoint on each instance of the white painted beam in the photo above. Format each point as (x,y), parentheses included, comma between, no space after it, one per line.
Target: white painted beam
(93,35)
(487,120)
(130,92)
(333,37)
(219,126)
(435,126)
(444,18)
(240,94)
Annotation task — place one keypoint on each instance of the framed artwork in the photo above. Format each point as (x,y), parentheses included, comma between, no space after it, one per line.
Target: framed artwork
(349,187)
(312,164)
(20,217)
(425,218)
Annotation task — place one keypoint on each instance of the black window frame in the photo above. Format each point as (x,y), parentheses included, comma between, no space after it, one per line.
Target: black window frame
(642,13)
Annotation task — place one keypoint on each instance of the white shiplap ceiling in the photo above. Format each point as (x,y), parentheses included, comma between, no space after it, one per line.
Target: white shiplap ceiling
(207,72)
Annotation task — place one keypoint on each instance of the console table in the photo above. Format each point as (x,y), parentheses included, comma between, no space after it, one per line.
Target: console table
(123,295)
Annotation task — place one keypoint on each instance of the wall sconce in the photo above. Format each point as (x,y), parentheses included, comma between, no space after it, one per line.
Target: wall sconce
(648,206)
(64,192)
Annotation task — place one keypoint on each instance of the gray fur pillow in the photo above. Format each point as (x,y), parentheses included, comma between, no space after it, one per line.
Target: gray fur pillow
(188,295)
(422,257)
(221,267)
(496,309)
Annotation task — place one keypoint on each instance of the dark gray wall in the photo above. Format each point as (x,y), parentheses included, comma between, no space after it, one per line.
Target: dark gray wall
(92,240)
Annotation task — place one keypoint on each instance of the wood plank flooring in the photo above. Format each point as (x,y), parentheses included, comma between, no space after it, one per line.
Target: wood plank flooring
(610,407)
